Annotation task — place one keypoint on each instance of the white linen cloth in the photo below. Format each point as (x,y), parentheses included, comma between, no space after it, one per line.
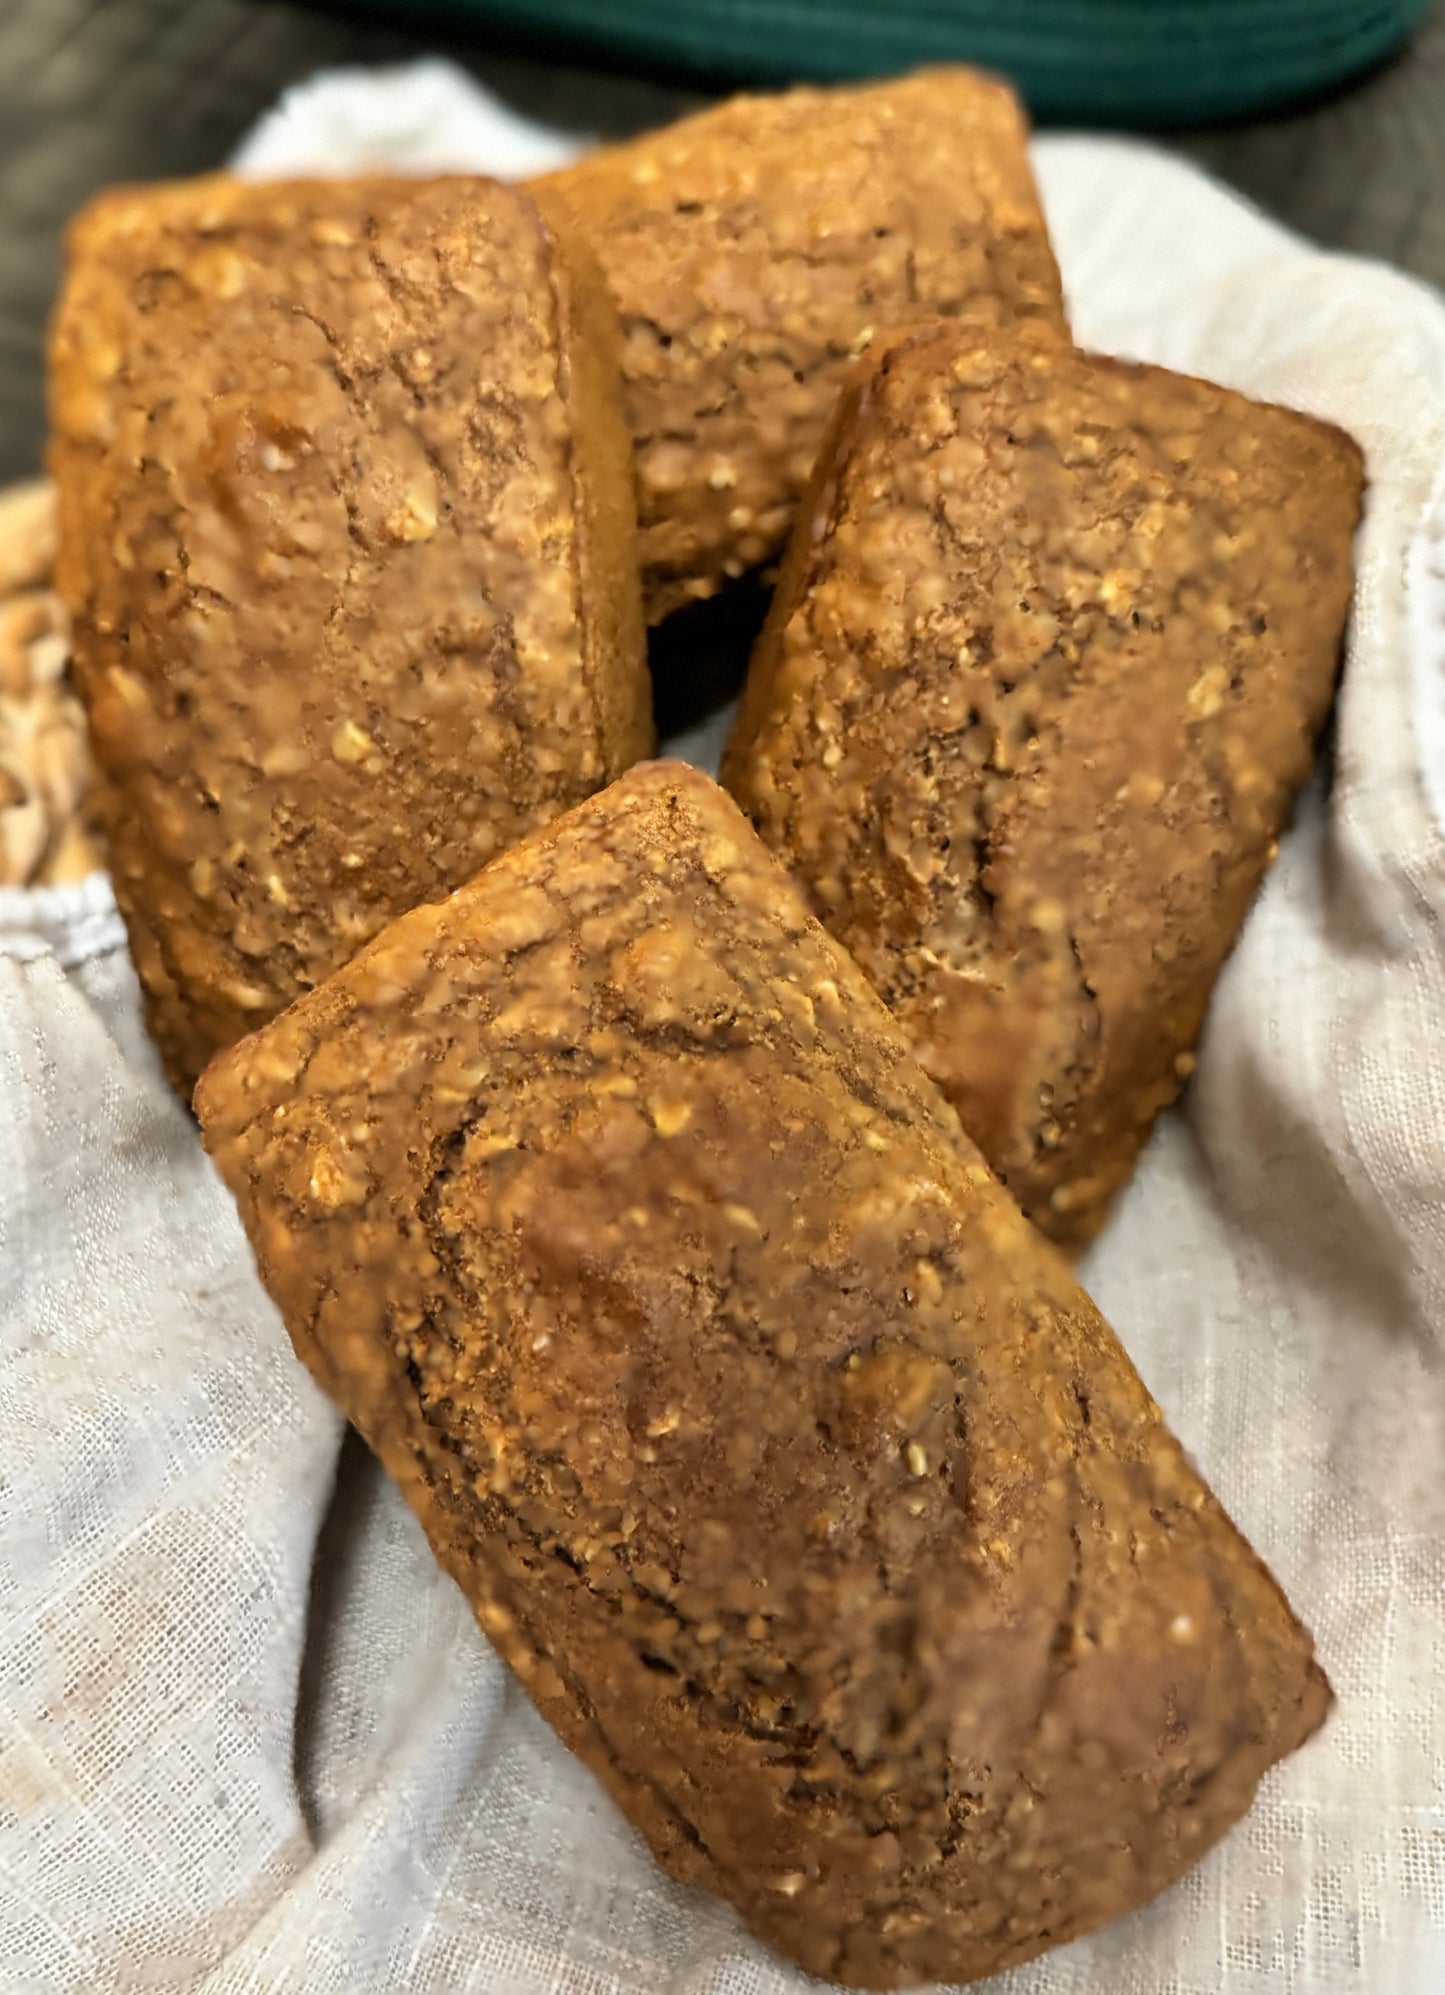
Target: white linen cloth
(250,1739)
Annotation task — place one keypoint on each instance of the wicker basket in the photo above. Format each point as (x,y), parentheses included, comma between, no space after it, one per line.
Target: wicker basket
(44,761)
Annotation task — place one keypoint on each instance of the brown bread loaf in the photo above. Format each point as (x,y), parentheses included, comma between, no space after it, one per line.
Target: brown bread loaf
(347,536)
(1052,645)
(752,250)
(810,1499)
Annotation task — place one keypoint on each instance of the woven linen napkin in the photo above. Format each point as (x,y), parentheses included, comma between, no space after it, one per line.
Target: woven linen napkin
(251,1740)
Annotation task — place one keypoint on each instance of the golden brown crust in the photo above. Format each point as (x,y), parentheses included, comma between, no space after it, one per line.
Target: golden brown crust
(347,535)
(810,1499)
(614,635)
(1046,666)
(753,248)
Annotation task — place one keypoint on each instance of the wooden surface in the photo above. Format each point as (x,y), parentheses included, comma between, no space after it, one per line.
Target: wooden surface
(93,91)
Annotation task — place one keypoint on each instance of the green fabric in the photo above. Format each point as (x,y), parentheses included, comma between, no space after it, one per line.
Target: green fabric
(1116,61)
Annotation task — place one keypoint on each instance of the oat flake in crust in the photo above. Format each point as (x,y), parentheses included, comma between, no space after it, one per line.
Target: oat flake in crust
(347,536)
(1046,665)
(808,1496)
(753,249)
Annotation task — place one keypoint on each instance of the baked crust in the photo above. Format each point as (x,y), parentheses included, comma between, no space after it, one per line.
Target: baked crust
(1045,667)
(787,1466)
(754,248)
(347,536)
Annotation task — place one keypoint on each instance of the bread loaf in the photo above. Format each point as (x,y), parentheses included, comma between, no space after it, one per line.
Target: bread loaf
(347,538)
(754,248)
(1051,649)
(787,1466)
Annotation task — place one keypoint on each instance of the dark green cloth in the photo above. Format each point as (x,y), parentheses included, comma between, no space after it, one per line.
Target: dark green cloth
(1129,62)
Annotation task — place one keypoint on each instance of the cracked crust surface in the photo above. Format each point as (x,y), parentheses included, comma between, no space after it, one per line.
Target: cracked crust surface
(754,248)
(808,1496)
(347,533)
(1045,668)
